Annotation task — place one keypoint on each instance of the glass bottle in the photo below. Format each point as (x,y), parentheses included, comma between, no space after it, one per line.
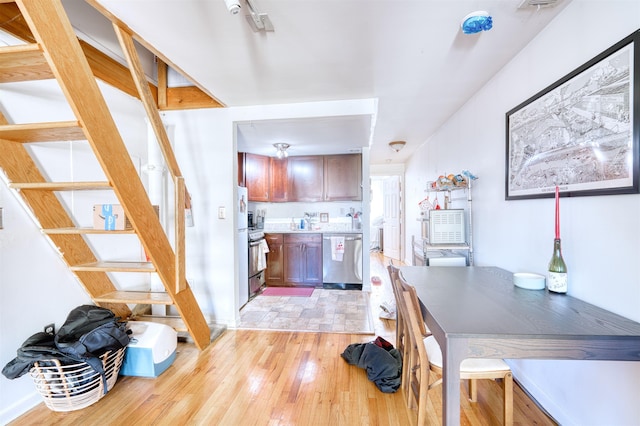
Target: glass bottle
(557,277)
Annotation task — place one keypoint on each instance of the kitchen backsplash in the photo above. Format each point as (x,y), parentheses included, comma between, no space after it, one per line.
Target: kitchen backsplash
(278,215)
(338,224)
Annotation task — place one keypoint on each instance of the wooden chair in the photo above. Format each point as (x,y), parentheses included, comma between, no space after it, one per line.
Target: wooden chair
(401,326)
(415,363)
(394,272)
(425,347)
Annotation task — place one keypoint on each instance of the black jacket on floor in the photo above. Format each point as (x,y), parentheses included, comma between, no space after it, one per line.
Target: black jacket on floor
(383,366)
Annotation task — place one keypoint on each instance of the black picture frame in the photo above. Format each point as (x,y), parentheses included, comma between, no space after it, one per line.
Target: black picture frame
(581,133)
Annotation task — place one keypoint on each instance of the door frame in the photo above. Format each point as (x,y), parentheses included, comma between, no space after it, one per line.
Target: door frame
(380,171)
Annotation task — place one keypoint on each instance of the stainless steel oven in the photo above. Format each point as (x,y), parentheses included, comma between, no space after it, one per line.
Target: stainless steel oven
(257,261)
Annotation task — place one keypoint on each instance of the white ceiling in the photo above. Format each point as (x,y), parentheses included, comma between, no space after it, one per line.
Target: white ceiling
(410,55)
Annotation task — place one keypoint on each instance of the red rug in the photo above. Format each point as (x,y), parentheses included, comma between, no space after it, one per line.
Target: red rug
(288,291)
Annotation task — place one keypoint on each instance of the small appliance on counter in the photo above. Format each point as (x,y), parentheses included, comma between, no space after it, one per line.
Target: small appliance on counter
(356,219)
(259,218)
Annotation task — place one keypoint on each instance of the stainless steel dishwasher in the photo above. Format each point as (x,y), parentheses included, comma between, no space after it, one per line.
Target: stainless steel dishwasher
(346,273)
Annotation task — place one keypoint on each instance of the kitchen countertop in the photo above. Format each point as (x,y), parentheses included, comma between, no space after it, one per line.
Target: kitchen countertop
(319,231)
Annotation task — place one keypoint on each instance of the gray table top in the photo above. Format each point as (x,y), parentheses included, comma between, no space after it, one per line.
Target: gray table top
(482,301)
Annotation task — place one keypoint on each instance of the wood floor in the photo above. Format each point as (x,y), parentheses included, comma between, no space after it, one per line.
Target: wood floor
(276,378)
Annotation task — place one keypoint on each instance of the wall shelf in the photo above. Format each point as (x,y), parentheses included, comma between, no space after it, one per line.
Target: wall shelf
(462,249)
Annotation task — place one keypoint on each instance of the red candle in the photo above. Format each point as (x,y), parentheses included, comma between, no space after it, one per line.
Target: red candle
(557,213)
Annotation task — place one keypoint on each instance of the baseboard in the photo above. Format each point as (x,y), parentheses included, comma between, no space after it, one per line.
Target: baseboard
(341,286)
(17,409)
(537,395)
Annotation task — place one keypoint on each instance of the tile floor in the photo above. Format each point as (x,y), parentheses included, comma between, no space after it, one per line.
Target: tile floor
(334,311)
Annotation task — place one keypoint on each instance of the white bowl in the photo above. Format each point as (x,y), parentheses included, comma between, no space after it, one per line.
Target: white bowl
(529,280)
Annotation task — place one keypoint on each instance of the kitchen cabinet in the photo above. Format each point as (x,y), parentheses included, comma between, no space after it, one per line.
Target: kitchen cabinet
(274,274)
(241,177)
(343,177)
(306,178)
(301,178)
(302,259)
(279,188)
(256,170)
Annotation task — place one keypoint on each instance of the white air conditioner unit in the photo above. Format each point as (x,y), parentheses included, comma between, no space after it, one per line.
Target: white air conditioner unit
(447,227)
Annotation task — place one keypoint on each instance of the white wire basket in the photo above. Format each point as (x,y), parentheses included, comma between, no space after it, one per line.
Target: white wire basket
(76,386)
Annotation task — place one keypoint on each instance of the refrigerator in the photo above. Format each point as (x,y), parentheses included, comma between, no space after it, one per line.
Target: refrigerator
(242,243)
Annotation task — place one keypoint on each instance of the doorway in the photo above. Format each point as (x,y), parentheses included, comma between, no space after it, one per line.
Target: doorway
(386,215)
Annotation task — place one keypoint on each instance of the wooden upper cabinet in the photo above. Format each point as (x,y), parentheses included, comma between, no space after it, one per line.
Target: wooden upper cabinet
(256,171)
(279,189)
(241,178)
(343,177)
(301,178)
(306,178)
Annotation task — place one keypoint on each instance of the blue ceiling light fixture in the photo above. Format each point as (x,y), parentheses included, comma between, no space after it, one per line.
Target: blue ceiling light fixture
(476,22)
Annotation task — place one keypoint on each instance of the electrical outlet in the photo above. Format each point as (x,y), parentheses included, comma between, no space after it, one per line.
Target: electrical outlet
(50,328)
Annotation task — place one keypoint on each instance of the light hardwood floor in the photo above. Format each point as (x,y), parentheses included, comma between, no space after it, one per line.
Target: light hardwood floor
(276,378)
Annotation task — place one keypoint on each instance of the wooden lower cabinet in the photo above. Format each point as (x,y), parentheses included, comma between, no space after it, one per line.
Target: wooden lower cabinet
(294,260)
(274,274)
(303,259)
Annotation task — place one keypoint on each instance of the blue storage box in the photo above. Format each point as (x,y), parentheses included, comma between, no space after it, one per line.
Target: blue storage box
(151,351)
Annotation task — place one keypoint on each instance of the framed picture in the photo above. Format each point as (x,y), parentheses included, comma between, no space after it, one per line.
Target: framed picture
(581,133)
(324,217)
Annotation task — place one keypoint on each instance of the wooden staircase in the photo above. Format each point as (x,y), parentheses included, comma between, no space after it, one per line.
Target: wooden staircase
(57,53)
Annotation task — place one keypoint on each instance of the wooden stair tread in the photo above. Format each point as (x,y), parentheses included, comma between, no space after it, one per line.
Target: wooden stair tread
(115,267)
(141,297)
(61,186)
(43,132)
(86,231)
(174,322)
(24,62)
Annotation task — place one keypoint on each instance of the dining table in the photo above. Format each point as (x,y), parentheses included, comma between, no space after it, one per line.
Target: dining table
(477,312)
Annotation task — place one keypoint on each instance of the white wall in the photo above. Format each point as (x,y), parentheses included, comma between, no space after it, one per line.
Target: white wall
(36,287)
(600,235)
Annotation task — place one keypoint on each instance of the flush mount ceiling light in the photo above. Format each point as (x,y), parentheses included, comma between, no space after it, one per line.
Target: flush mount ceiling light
(281,150)
(397,145)
(476,22)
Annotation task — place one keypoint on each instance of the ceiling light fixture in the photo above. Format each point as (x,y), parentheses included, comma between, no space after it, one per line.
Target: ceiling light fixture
(476,22)
(397,145)
(281,150)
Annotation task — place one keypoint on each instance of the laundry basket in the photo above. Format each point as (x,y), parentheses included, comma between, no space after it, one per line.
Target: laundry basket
(75,386)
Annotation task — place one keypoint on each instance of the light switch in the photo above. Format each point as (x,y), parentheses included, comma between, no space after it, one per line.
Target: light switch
(222,212)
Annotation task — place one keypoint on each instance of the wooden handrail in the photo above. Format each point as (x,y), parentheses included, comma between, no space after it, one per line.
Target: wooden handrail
(181,279)
(139,78)
(182,197)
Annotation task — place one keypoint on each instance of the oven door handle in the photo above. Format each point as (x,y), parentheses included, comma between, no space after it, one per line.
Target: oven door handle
(255,243)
